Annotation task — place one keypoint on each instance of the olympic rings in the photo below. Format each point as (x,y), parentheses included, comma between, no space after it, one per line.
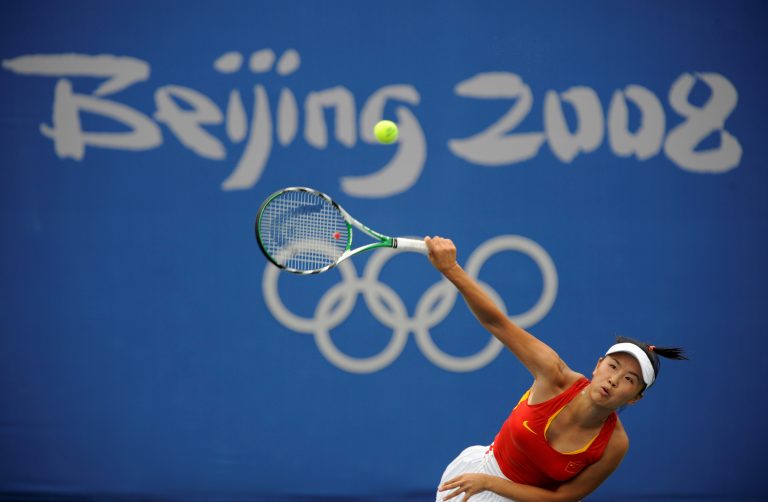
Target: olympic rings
(387,307)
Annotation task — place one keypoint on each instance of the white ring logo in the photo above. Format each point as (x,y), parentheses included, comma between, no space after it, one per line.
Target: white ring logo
(387,307)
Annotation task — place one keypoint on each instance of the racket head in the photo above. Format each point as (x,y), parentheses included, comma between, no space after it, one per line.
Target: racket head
(302,230)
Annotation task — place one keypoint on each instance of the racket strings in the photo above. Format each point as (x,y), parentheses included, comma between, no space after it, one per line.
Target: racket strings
(303,231)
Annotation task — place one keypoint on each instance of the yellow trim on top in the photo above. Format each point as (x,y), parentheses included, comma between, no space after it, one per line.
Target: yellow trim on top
(575,452)
(524,398)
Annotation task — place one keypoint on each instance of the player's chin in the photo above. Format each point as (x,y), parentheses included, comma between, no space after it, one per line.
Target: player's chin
(619,401)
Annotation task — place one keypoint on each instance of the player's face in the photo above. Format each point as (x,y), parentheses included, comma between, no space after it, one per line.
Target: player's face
(617,380)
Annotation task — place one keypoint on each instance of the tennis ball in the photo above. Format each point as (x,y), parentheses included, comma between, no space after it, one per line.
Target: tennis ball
(386,132)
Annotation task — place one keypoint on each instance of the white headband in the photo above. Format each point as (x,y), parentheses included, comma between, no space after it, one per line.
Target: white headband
(645,363)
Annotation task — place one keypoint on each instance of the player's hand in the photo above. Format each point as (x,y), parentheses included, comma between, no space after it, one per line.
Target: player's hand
(442,253)
(468,484)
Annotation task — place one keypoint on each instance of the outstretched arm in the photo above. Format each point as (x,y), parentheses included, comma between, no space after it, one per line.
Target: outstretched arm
(543,362)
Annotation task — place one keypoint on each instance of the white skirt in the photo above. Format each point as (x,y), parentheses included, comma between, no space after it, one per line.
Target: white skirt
(477,459)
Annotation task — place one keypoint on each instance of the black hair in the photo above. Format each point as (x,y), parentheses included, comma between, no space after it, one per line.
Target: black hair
(653,352)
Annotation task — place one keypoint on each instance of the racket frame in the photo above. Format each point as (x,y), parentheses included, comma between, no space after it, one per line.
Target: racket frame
(383,241)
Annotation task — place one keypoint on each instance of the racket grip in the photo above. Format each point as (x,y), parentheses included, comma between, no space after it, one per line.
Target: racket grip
(416,245)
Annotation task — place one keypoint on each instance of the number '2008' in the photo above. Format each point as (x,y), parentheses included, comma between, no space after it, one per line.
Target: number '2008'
(497,145)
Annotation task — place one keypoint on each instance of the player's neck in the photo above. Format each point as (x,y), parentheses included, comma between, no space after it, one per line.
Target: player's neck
(588,413)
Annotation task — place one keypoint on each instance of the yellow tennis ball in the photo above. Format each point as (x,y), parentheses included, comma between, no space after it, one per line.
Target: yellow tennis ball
(386,132)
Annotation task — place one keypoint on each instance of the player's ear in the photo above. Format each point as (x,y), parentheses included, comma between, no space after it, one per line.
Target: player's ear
(635,399)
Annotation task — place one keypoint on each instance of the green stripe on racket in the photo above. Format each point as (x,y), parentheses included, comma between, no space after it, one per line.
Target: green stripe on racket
(304,231)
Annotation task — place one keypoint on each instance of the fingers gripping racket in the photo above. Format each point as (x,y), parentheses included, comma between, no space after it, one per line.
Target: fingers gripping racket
(304,231)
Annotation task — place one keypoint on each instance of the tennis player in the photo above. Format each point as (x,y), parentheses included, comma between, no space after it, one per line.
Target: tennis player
(563,439)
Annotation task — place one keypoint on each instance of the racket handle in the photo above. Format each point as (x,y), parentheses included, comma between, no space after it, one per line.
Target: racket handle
(416,245)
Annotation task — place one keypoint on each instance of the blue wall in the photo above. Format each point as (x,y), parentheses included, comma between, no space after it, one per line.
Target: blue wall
(601,167)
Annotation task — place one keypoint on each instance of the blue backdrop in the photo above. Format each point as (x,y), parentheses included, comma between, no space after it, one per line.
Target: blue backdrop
(600,166)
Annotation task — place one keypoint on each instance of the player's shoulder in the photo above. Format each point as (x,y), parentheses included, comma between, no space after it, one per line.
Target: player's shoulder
(544,389)
(568,377)
(619,441)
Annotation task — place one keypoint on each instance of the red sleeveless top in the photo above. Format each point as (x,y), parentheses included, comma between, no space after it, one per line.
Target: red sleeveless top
(524,454)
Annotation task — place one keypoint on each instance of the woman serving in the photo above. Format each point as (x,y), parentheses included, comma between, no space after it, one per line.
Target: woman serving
(563,439)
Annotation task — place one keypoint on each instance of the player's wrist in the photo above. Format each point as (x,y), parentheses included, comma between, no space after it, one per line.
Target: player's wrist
(451,269)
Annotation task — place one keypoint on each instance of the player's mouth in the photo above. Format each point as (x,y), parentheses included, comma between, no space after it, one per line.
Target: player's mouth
(604,391)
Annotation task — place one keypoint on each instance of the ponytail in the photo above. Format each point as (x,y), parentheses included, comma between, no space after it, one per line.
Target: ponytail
(668,352)
(653,352)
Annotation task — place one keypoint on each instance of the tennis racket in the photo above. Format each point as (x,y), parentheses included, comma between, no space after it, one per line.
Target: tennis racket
(304,231)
